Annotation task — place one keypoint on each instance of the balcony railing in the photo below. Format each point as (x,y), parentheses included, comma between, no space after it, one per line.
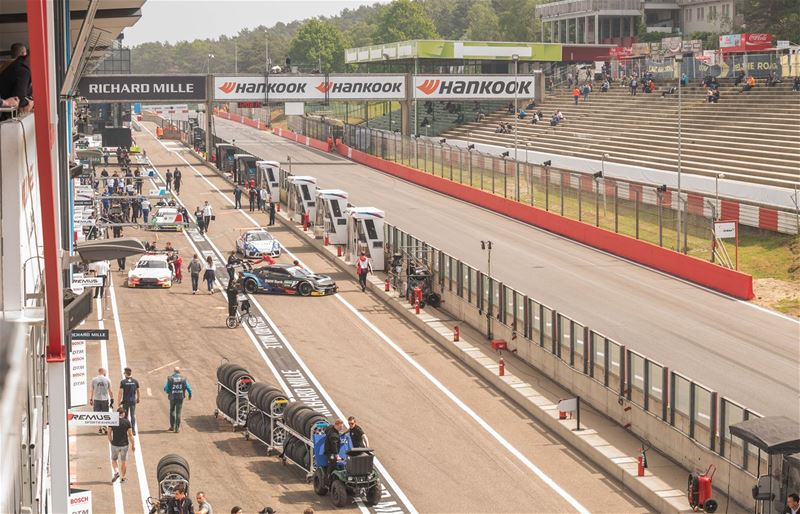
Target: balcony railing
(586,6)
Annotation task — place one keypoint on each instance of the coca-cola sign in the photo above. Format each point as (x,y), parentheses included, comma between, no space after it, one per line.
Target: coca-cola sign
(745,42)
(757,42)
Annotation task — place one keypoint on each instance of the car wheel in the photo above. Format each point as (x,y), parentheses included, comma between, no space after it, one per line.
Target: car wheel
(304,288)
(250,285)
(374,494)
(319,482)
(339,493)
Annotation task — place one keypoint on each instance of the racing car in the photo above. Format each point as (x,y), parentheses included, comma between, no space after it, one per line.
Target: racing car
(257,243)
(151,270)
(286,279)
(167,218)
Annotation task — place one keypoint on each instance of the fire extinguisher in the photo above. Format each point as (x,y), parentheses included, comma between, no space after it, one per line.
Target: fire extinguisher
(641,461)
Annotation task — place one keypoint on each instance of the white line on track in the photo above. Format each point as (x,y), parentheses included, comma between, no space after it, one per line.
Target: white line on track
(144,488)
(119,506)
(564,238)
(164,366)
(450,395)
(384,474)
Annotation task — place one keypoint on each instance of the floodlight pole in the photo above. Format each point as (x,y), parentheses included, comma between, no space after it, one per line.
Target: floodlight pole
(515,58)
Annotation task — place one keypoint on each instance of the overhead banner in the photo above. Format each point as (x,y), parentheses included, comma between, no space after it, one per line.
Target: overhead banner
(141,88)
(299,88)
(465,87)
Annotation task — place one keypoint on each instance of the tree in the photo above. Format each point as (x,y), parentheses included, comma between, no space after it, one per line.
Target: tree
(484,25)
(403,20)
(449,16)
(778,17)
(518,20)
(318,41)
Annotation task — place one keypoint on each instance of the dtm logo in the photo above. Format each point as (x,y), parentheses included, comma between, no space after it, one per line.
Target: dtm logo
(324,87)
(429,86)
(227,87)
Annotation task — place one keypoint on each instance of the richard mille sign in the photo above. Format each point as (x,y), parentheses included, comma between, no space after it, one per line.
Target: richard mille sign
(136,88)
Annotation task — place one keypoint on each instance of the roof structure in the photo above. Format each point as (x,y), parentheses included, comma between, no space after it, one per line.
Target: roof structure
(772,434)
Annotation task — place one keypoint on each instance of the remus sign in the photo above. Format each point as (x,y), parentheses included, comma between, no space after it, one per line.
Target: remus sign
(140,88)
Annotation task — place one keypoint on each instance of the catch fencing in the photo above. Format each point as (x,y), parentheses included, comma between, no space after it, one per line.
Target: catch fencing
(534,328)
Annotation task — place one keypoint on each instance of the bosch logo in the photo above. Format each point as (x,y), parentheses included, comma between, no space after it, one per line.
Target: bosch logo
(429,86)
(227,87)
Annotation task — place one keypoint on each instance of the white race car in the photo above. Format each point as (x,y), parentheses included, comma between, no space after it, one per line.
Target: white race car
(166,218)
(152,270)
(257,243)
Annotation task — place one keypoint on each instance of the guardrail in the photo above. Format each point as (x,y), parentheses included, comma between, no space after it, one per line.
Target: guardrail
(658,404)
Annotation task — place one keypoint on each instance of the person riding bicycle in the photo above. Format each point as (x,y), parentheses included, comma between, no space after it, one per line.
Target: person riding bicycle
(244,306)
(233,299)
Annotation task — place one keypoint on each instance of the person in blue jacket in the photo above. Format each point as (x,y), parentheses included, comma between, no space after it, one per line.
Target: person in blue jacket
(177,387)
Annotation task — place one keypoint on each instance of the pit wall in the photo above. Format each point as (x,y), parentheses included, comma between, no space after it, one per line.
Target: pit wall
(731,282)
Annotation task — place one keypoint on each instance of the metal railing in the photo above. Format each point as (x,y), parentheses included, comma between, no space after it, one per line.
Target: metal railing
(693,409)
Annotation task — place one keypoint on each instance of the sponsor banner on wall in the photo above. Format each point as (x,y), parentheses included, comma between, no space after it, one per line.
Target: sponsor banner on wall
(93,419)
(140,88)
(463,87)
(283,88)
(80,501)
(747,42)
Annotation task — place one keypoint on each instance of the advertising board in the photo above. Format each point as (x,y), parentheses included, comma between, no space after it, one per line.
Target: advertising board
(282,88)
(463,87)
(139,88)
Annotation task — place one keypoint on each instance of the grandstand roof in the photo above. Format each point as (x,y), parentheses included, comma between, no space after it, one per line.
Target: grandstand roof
(444,49)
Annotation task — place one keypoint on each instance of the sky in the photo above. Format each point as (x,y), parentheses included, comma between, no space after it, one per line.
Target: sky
(200,19)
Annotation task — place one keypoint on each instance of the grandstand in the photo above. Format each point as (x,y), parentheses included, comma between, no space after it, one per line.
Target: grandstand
(753,136)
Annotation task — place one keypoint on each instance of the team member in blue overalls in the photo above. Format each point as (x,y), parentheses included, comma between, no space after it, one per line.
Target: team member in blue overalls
(177,387)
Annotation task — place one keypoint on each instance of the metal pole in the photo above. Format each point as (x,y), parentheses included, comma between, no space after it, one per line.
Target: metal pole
(717,205)
(515,57)
(679,60)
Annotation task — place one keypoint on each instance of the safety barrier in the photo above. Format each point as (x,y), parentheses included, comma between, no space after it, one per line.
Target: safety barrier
(681,417)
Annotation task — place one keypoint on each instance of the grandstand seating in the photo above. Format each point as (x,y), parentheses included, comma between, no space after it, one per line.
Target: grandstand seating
(440,119)
(752,136)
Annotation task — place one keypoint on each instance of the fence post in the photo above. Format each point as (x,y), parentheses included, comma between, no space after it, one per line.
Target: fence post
(660,220)
(469,156)
(505,178)
(646,376)
(450,156)
(712,423)
(623,369)
(561,190)
(616,208)
(597,202)
(692,408)
(636,198)
(685,226)
(665,389)
(554,331)
(546,189)
(587,347)
(580,207)
(460,166)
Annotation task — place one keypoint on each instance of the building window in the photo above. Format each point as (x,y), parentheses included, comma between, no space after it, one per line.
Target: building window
(688,15)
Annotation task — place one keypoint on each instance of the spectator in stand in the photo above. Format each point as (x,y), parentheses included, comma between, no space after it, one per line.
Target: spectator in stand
(561,116)
(749,84)
(522,114)
(740,77)
(587,88)
(554,120)
(796,85)
(605,87)
(15,79)
(480,116)
(500,128)
(569,79)
(531,105)
(773,79)
(535,118)
(633,85)
(684,80)
(510,108)
(576,93)
(425,122)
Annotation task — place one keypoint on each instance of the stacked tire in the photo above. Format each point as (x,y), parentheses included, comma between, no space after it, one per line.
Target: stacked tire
(172,470)
(268,401)
(301,418)
(230,376)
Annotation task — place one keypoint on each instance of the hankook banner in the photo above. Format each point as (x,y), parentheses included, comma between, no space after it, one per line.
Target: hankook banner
(464,87)
(141,88)
(299,88)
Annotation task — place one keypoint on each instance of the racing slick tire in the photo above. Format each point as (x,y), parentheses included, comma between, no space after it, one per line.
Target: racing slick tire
(290,411)
(231,322)
(172,458)
(173,469)
(304,288)
(374,494)
(311,421)
(339,493)
(250,286)
(320,487)
(299,416)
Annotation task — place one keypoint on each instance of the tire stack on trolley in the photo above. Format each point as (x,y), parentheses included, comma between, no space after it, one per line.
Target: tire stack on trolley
(266,404)
(233,384)
(172,471)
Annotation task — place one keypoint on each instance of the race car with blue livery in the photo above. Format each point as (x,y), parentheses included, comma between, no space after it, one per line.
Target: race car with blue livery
(286,279)
(253,244)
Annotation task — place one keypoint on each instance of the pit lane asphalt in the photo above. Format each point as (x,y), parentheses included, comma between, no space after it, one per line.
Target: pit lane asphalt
(438,456)
(737,349)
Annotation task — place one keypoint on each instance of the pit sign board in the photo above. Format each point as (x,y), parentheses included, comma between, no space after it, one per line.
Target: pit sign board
(725,229)
(81,282)
(80,501)
(139,88)
(97,334)
(77,372)
(93,419)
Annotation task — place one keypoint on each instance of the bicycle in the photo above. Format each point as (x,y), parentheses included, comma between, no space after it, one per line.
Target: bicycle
(242,314)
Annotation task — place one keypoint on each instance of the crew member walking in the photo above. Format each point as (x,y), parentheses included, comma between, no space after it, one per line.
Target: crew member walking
(233,299)
(230,266)
(208,214)
(121,439)
(209,274)
(177,264)
(363,267)
(145,209)
(100,397)
(271,212)
(100,269)
(176,177)
(169,180)
(237,197)
(262,199)
(129,397)
(177,387)
(195,267)
(203,507)
(251,194)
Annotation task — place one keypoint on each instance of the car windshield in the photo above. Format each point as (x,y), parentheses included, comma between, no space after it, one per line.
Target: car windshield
(259,236)
(297,271)
(151,264)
